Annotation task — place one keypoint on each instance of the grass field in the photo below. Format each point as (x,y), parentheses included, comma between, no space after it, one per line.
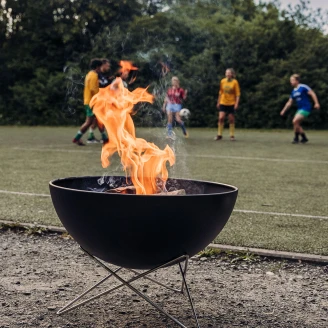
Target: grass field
(275,179)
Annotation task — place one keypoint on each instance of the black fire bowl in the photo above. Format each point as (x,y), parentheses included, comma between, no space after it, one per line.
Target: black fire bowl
(141,231)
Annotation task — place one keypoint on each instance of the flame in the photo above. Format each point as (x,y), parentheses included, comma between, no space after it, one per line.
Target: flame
(143,161)
(133,78)
(127,66)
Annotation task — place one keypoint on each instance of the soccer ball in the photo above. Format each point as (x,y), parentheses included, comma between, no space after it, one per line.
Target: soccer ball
(184,112)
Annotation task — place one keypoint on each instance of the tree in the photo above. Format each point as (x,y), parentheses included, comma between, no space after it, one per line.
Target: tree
(46,47)
(42,36)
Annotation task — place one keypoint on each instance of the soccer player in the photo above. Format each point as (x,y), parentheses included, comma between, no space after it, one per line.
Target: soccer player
(104,81)
(301,94)
(91,87)
(173,104)
(103,75)
(228,102)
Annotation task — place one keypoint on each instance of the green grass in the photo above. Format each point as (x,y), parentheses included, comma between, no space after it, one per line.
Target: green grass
(294,181)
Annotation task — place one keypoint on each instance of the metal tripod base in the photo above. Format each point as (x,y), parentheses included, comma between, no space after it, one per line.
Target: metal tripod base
(113,273)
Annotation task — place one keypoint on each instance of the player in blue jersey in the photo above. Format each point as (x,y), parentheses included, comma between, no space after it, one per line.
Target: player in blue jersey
(302,94)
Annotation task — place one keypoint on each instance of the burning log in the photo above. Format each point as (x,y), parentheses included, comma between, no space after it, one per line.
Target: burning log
(131,190)
(179,192)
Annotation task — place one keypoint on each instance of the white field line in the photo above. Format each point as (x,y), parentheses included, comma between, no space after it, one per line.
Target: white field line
(259,159)
(23,193)
(197,156)
(57,150)
(237,211)
(284,214)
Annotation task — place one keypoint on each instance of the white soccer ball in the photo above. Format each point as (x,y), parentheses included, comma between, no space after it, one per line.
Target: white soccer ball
(184,112)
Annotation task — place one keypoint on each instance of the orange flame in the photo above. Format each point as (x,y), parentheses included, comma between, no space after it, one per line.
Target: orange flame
(127,66)
(144,162)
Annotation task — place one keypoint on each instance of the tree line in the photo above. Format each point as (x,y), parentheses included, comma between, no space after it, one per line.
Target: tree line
(46,46)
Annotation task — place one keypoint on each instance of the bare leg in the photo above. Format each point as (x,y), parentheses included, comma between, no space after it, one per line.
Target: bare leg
(169,117)
(222,116)
(88,122)
(169,124)
(92,129)
(231,118)
(94,124)
(178,117)
(101,127)
(82,130)
(297,121)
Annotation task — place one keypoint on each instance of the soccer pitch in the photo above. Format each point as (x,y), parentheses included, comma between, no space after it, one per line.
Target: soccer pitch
(282,202)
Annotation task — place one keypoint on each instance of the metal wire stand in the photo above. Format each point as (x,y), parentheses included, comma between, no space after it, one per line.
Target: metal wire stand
(114,273)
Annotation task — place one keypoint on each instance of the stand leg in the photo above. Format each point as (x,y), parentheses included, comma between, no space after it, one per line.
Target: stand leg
(184,274)
(189,296)
(158,283)
(127,283)
(68,307)
(146,298)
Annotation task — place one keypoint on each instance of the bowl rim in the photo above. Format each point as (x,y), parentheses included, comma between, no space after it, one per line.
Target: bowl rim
(233,189)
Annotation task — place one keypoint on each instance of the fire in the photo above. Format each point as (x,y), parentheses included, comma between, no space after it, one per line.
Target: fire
(126,66)
(143,161)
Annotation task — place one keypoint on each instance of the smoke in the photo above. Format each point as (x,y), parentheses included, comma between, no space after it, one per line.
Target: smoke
(74,88)
(154,61)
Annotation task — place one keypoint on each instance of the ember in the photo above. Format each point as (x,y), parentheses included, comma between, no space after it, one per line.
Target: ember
(143,161)
(131,190)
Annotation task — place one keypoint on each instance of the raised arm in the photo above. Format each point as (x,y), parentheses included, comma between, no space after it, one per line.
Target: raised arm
(287,106)
(312,94)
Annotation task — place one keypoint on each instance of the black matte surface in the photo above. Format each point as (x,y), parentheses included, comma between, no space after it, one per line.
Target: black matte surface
(137,231)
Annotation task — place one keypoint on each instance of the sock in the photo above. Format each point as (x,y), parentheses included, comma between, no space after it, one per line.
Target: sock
(169,127)
(104,135)
(303,136)
(221,127)
(297,136)
(91,135)
(232,129)
(183,128)
(78,135)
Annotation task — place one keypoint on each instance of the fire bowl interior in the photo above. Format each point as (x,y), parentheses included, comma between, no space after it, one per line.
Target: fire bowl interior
(141,231)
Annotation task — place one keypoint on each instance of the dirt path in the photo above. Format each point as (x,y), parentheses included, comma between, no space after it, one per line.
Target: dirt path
(39,274)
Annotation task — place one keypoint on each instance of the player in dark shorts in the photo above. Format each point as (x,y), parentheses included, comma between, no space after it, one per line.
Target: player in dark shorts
(91,87)
(104,80)
(228,102)
(302,94)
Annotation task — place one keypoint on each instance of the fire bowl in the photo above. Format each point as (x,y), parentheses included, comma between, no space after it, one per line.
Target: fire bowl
(141,231)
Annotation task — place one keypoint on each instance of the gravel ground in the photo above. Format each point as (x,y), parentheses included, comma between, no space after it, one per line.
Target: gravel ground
(39,274)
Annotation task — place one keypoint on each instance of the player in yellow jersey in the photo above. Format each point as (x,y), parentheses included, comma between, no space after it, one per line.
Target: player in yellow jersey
(228,102)
(104,81)
(91,87)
